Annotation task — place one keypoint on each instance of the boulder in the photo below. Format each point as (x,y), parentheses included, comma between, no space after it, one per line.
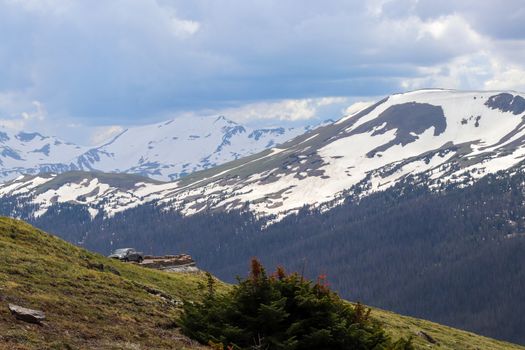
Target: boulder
(27,315)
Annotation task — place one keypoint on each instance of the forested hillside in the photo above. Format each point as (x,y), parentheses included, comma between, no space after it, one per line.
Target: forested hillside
(92,302)
(454,256)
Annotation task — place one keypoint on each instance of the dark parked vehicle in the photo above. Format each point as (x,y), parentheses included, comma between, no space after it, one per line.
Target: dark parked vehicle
(127,254)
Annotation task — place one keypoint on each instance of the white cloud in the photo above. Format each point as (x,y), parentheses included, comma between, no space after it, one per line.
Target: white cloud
(103,134)
(10,103)
(139,59)
(55,7)
(507,77)
(482,70)
(452,27)
(464,72)
(357,107)
(29,118)
(285,110)
(39,113)
(184,28)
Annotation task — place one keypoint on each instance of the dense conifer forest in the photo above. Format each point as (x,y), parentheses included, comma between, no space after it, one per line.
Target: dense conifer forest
(454,256)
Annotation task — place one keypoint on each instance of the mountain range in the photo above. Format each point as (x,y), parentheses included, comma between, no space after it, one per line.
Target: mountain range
(162,151)
(439,137)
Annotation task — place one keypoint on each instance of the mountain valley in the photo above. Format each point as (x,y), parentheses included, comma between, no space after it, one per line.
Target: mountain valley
(414,204)
(92,302)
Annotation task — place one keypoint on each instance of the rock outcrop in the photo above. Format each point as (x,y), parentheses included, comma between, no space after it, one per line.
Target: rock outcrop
(27,315)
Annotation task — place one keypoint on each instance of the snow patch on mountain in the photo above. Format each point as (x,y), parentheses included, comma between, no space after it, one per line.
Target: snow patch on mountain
(437,137)
(163,151)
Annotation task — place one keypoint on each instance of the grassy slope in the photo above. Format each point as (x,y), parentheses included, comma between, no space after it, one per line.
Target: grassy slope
(85,308)
(91,309)
(446,337)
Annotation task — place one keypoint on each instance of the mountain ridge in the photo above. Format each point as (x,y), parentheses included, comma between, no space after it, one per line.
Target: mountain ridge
(160,151)
(440,137)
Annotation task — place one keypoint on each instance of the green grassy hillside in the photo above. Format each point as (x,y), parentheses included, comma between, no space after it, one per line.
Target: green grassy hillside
(446,337)
(86,307)
(92,302)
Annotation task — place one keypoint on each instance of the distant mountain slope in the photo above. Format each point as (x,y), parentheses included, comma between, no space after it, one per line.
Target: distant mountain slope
(438,136)
(33,153)
(173,149)
(163,151)
(92,302)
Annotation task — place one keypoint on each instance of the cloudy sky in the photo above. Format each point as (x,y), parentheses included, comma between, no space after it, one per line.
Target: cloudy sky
(70,64)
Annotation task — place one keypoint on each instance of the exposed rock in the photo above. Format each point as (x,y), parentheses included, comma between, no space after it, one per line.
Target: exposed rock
(427,337)
(27,315)
(408,119)
(168,262)
(506,102)
(188,268)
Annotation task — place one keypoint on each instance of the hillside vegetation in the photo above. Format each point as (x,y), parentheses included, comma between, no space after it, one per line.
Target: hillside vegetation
(465,245)
(92,302)
(87,306)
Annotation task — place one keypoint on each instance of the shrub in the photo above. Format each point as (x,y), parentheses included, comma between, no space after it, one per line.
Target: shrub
(282,311)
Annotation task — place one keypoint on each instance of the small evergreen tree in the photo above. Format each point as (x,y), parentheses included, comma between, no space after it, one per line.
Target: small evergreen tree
(282,311)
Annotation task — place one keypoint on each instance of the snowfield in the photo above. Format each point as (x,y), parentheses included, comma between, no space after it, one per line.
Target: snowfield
(164,151)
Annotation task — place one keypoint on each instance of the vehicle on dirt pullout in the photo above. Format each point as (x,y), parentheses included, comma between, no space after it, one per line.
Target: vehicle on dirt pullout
(127,254)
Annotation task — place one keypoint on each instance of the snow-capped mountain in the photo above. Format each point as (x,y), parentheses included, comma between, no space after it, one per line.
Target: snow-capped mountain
(173,149)
(33,153)
(164,151)
(436,137)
